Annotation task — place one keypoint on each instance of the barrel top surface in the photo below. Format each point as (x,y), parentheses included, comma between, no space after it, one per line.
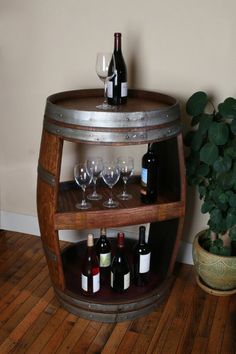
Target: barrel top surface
(88,100)
(75,115)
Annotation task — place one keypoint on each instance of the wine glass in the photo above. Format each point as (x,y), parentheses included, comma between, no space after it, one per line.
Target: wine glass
(83,178)
(102,64)
(126,166)
(110,175)
(95,165)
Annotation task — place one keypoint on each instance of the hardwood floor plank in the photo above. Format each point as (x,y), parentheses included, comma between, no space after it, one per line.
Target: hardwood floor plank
(229,337)
(161,332)
(101,338)
(73,336)
(11,341)
(116,337)
(127,342)
(82,345)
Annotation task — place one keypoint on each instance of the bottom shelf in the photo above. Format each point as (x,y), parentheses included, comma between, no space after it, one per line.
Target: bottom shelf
(107,305)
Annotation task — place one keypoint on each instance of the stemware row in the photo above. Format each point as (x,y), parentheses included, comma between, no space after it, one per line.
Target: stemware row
(110,171)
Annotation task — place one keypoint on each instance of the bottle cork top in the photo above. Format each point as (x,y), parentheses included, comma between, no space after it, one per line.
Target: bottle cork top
(90,240)
(103,231)
(120,239)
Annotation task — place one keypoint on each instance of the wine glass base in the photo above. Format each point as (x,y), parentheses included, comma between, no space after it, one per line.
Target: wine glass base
(83,206)
(94,196)
(125,196)
(105,106)
(110,204)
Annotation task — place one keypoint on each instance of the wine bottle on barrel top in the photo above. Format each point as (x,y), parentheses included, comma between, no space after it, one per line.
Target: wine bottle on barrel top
(117,87)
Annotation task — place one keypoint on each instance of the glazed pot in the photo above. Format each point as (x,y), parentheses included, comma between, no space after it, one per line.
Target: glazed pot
(216,273)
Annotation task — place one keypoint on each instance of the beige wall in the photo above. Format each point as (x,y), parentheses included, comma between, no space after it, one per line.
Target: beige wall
(47,46)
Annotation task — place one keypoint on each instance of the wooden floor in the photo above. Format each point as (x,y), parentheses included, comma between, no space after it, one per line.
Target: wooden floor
(31,320)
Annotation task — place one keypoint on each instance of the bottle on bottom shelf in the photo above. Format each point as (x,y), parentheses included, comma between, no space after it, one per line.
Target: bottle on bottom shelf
(120,270)
(90,273)
(141,260)
(103,251)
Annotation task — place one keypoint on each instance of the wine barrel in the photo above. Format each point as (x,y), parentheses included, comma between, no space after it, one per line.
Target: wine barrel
(146,117)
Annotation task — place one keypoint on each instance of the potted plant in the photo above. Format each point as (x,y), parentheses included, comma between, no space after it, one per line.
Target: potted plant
(211,167)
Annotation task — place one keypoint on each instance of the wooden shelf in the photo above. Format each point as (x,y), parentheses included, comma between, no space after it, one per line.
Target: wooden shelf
(130,212)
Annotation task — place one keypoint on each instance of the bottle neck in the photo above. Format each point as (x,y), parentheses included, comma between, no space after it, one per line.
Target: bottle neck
(117,42)
(120,240)
(142,235)
(90,241)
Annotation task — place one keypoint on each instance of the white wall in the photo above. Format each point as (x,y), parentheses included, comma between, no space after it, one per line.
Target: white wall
(46,46)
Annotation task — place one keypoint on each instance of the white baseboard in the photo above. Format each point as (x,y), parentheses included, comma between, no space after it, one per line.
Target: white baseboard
(28,224)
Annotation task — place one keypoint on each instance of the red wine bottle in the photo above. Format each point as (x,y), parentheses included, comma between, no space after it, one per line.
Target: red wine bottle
(103,251)
(149,177)
(120,270)
(142,257)
(117,88)
(90,274)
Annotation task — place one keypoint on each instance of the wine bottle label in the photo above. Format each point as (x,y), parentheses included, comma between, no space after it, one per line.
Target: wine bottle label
(96,282)
(144,263)
(105,260)
(110,89)
(124,89)
(84,282)
(144,173)
(126,280)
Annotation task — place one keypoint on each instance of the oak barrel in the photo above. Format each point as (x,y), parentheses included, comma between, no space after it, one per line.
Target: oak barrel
(147,117)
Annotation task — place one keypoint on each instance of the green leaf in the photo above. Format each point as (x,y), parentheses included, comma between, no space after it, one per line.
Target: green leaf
(233,126)
(218,133)
(202,170)
(225,180)
(204,123)
(218,242)
(228,108)
(232,200)
(196,103)
(196,141)
(209,153)
(231,218)
(207,206)
(195,121)
(223,198)
(232,233)
(214,250)
(222,164)
(215,215)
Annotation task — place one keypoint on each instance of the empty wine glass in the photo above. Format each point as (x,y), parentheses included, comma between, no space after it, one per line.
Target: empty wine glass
(95,165)
(102,64)
(83,178)
(126,167)
(110,175)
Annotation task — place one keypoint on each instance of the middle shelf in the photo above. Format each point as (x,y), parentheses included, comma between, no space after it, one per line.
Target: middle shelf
(130,212)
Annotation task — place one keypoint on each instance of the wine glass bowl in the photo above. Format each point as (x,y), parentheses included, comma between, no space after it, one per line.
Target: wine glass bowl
(95,165)
(126,167)
(83,178)
(110,175)
(102,64)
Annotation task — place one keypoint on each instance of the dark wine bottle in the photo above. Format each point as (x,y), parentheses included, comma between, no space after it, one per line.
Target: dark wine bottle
(142,257)
(120,270)
(117,88)
(103,251)
(149,177)
(90,272)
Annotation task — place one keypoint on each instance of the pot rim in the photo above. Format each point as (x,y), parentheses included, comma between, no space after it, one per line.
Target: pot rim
(196,240)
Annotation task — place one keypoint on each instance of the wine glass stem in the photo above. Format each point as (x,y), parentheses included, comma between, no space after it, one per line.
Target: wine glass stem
(83,196)
(124,190)
(110,199)
(105,91)
(94,185)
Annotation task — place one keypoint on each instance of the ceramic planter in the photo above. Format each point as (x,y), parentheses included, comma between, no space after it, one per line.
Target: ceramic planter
(216,274)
